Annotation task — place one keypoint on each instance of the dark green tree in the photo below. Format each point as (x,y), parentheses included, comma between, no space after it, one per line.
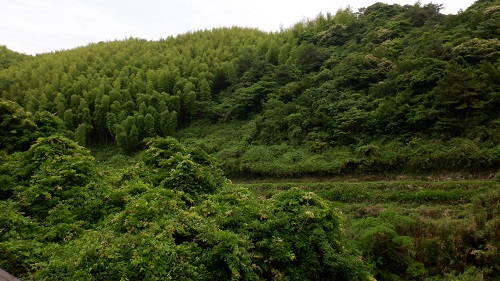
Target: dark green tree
(16,127)
(149,125)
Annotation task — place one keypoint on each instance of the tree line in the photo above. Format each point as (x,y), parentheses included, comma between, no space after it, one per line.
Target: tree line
(348,79)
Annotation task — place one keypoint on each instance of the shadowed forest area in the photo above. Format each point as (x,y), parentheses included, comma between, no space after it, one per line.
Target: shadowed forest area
(116,158)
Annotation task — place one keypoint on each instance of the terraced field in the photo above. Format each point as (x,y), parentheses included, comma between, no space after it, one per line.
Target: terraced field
(430,230)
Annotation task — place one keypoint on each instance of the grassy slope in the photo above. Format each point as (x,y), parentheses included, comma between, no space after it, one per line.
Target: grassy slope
(245,160)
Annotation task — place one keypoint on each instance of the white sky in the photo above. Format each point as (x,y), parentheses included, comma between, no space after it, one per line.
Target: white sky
(39,26)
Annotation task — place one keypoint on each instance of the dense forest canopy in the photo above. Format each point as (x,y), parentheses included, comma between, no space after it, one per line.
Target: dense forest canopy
(386,89)
(381,78)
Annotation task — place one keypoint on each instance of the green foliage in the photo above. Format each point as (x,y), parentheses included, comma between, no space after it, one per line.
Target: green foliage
(388,252)
(310,58)
(247,100)
(48,124)
(8,163)
(9,58)
(152,232)
(487,223)
(295,236)
(412,240)
(54,170)
(16,127)
(318,157)
(387,71)
(174,166)
(477,49)
(387,89)
(81,134)
(230,235)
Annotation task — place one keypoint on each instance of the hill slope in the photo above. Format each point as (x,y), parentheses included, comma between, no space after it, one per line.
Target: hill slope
(388,88)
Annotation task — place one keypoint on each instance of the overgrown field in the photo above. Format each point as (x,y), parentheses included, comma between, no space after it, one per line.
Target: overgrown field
(416,229)
(244,159)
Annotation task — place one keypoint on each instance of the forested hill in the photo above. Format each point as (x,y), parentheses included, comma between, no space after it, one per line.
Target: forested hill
(385,88)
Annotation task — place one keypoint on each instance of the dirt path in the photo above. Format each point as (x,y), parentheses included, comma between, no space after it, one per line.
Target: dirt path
(5,276)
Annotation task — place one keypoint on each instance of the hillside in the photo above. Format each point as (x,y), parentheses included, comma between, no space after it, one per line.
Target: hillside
(116,157)
(387,88)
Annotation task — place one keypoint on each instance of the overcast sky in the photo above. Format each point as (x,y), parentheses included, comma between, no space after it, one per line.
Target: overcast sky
(39,26)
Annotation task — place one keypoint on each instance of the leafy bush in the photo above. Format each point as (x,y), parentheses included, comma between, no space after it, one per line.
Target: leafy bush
(295,235)
(16,127)
(53,170)
(171,165)
(231,235)
(486,210)
(388,252)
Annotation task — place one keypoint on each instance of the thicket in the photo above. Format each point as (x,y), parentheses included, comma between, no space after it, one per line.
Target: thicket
(170,216)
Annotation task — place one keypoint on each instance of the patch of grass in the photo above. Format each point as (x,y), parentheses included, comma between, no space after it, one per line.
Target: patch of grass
(111,156)
(453,192)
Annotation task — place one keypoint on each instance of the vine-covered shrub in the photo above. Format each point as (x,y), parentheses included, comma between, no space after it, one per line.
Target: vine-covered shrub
(44,200)
(170,165)
(16,126)
(54,170)
(386,251)
(295,235)
(231,235)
